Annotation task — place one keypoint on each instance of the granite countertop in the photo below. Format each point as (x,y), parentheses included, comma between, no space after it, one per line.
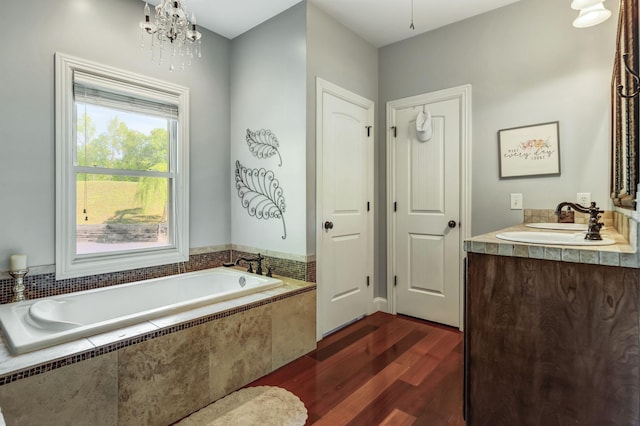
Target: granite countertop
(619,254)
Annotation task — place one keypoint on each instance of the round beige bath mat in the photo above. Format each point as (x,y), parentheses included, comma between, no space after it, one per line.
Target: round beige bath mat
(259,405)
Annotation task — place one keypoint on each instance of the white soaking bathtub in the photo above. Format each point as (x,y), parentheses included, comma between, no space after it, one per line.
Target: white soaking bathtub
(39,323)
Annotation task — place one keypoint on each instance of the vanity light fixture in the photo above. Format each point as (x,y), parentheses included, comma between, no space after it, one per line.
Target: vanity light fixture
(172,33)
(592,12)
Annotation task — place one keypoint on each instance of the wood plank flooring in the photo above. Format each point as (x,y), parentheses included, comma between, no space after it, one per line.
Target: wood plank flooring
(382,370)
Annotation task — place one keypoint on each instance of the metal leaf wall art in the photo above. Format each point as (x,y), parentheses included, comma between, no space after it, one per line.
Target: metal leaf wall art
(261,194)
(263,144)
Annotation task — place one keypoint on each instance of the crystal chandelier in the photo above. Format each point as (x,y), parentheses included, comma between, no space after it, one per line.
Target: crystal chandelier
(172,33)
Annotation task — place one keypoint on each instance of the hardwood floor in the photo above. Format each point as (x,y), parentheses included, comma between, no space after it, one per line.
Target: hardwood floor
(382,370)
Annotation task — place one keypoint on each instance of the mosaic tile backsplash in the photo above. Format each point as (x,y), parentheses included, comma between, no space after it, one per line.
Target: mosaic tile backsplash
(305,271)
(45,285)
(548,215)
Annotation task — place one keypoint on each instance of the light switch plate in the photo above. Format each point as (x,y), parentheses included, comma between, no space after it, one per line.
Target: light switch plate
(584,198)
(516,201)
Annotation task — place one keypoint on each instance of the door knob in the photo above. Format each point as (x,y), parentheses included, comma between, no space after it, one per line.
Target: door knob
(328,225)
(452,224)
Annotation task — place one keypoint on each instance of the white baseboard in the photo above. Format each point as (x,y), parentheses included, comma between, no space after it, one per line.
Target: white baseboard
(380,304)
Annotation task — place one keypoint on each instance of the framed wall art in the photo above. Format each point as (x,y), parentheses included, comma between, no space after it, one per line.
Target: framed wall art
(528,151)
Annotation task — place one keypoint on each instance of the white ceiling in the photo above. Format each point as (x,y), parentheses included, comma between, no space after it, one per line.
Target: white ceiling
(231,18)
(380,22)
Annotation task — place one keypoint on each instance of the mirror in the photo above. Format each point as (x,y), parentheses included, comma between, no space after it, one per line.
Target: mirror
(624,102)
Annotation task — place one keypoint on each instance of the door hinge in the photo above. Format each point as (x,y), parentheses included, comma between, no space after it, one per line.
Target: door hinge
(395,206)
(395,280)
(395,131)
(368,283)
(368,131)
(368,206)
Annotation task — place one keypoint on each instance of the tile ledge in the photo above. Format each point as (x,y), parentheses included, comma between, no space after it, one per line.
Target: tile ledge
(621,254)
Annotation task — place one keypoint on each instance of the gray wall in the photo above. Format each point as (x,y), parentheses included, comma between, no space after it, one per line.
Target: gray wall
(105,32)
(527,65)
(268,68)
(337,55)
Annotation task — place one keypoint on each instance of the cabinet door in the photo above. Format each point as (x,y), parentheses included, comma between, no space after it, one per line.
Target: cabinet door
(551,343)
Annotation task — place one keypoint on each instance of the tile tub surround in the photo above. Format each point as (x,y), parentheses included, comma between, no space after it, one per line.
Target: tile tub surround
(14,368)
(160,376)
(78,394)
(43,284)
(619,254)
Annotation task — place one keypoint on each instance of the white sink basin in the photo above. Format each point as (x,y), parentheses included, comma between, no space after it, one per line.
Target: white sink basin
(574,239)
(559,226)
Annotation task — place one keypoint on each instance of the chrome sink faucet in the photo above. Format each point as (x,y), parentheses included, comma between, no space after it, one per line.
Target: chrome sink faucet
(593,230)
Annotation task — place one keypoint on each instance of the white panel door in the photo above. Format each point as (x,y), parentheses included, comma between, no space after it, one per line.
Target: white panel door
(427,212)
(345,219)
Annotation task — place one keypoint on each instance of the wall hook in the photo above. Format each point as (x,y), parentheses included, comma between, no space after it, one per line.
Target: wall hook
(635,76)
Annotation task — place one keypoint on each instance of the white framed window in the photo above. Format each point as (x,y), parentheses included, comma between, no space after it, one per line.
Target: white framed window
(122,170)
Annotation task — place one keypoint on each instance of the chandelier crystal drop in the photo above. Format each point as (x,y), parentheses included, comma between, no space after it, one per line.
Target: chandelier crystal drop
(172,34)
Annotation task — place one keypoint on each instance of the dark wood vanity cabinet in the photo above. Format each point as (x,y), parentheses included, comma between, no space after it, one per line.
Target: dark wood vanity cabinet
(551,343)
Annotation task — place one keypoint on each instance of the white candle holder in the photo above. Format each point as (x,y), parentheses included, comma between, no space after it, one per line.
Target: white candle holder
(18,288)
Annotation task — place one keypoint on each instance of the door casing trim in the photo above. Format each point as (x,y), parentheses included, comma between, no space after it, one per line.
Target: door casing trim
(324,86)
(464,94)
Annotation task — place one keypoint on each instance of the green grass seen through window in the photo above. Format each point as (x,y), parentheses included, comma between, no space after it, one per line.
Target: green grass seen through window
(116,202)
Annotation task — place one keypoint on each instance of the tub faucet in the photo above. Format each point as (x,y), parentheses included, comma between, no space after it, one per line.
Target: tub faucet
(259,264)
(258,259)
(593,230)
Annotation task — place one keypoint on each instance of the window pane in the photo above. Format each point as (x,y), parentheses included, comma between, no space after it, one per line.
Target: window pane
(116,213)
(117,139)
